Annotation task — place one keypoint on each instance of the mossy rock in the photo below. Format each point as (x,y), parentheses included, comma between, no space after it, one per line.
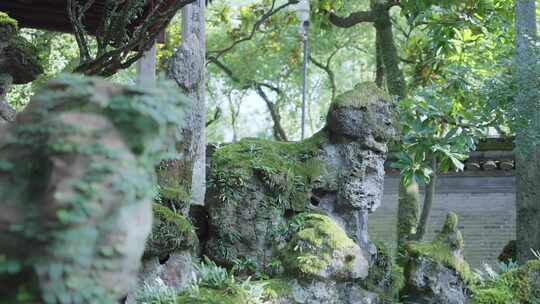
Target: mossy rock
(446,248)
(79,190)
(322,249)
(363,94)
(277,288)
(5,19)
(286,168)
(253,184)
(436,271)
(440,253)
(385,277)
(170,232)
(365,112)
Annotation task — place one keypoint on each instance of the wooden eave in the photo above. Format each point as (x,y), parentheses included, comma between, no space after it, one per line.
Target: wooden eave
(50,14)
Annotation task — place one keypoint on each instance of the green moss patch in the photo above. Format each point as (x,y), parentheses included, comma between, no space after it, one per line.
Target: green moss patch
(363,94)
(171,232)
(287,169)
(5,19)
(441,253)
(494,295)
(213,296)
(277,288)
(518,286)
(310,249)
(445,249)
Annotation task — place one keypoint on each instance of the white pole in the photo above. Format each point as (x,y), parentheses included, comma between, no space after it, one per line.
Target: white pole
(305,88)
(303,12)
(146,69)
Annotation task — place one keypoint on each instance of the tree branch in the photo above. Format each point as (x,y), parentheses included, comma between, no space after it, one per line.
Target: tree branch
(351,20)
(217,116)
(329,72)
(264,17)
(279,132)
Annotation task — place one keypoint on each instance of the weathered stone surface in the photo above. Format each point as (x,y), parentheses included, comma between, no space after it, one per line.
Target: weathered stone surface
(434,283)
(169,250)
(257,186)
(436,272)
(76,186)
(325,292)
(364,113)
(177,272)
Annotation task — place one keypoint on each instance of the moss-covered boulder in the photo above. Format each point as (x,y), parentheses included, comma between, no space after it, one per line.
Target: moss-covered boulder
(77,180)
(364,113)
(256,186)
(171,232)
(436,271)
(385,278)
(321,249)
(8,28)
(19,63)
(169,251)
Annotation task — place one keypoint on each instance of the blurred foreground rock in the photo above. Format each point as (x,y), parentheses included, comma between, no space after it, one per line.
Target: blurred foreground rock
(76,184)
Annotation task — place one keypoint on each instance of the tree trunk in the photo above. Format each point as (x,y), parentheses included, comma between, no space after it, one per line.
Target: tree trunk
(188,69)
(379,71)
(407,213)
(235,111)
(428,203)
(408,202)
(527,132)
(395,80)
(278,131)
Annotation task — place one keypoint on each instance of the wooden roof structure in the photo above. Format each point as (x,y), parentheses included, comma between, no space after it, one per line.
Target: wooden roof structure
(493,155)
(50,14)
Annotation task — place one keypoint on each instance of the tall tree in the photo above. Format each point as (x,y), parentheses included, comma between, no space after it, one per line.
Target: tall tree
(527,132)
(185,176)
(379,16)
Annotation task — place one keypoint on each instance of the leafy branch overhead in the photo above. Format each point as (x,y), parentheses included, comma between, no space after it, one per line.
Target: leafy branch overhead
(215,55)
(126,30)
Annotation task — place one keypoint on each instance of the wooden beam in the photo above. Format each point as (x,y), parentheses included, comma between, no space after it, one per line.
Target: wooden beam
(49,14)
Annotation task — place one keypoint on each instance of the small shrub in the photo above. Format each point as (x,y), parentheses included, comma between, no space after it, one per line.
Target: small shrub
(156,293)
(216,282)
(213,276)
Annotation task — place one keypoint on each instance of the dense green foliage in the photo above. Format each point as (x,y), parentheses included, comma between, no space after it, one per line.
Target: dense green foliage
(516,286)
